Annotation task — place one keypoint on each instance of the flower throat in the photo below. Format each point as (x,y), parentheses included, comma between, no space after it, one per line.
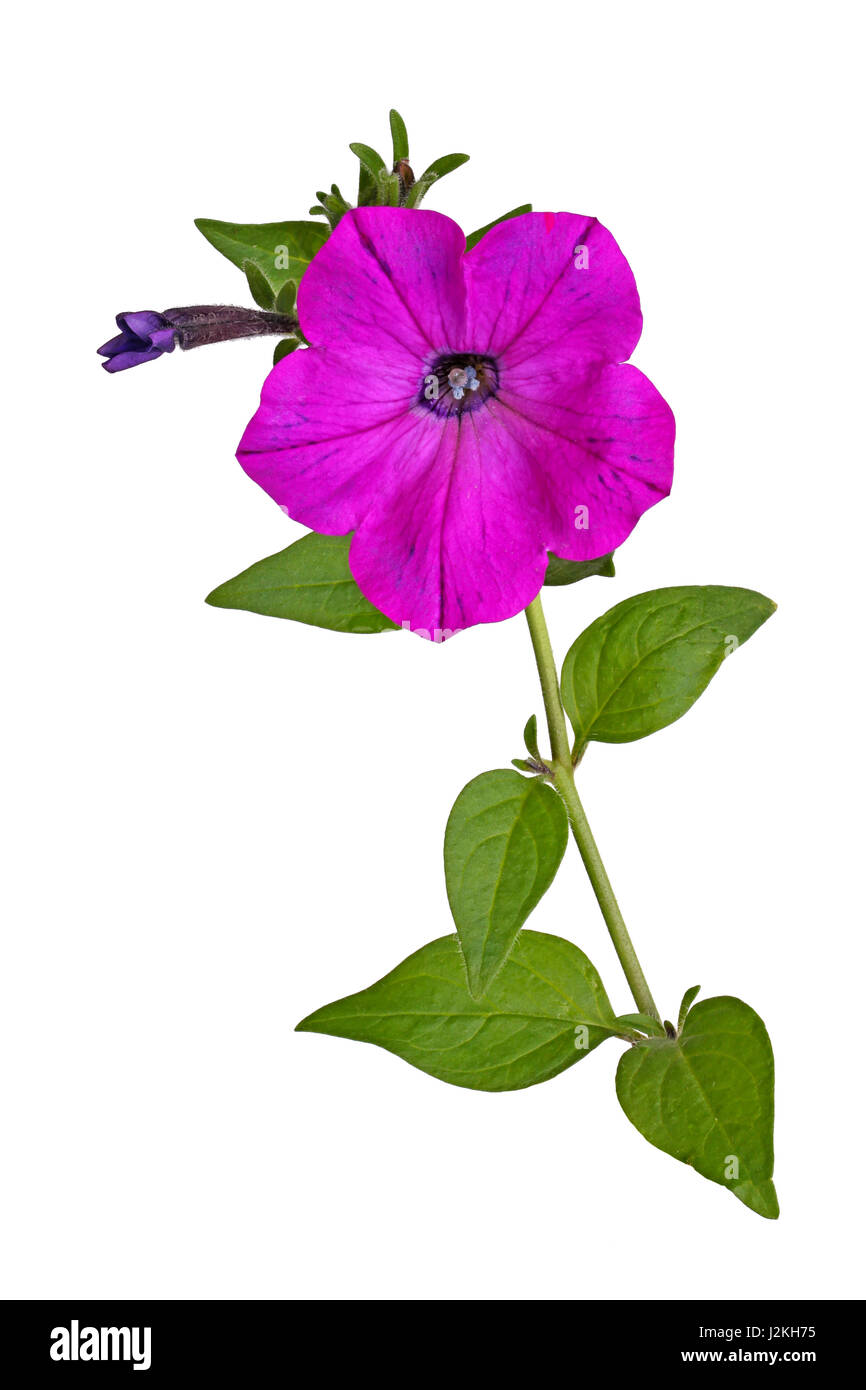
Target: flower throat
(457,382)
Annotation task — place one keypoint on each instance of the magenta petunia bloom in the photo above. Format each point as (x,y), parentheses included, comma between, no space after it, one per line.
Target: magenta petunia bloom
(462,412)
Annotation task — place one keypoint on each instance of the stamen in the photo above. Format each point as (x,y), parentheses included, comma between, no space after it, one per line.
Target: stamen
(462,379)
(452,379)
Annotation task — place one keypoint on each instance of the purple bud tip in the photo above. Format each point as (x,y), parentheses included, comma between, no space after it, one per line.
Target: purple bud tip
(143,336)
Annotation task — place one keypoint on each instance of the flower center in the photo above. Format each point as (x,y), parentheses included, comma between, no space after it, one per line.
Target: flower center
(461,381)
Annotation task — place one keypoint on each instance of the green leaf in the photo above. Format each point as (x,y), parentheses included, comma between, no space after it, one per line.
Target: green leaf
(281,250)
(688,999)
(645,662)
(474,237)
(371,161)
(310,582)
(644,1022)
(437,170)
(284,347)
(546,1009)
(333,205)
(503,845)
(570,571)
(339,202)
(259,286)
(367,187)
(706,1097)
(399,137)
(445,165)
(530,737)
(285,302)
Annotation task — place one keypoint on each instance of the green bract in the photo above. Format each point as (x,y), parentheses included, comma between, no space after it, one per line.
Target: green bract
(474,237)
(570,571)
(260,287)
(437,170)
(284,347)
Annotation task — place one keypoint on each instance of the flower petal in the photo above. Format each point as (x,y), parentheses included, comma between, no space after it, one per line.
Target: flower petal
(163,338)
(116,344)
(461,540)
(608,450)
(141,322)
(387,282)
(551,294)
(331,434)
(454,511)
(133,358)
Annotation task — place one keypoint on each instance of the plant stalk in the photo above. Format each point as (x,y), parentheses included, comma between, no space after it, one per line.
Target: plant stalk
(563,780)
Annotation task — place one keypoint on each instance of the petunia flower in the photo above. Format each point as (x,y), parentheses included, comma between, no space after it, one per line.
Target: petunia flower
(145,334)
(463,413)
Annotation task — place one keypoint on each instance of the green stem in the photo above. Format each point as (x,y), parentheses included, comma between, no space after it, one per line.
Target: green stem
(560,746)
(563,780)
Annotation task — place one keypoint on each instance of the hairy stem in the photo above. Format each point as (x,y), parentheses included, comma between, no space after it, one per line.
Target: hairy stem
(563,780)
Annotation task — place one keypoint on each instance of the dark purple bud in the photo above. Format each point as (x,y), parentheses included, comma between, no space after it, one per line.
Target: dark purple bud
(145,334)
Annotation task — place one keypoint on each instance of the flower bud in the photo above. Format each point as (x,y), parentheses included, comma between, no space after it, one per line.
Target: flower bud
(146,334)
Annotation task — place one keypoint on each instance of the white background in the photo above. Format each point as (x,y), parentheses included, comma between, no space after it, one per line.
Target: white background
(218,821)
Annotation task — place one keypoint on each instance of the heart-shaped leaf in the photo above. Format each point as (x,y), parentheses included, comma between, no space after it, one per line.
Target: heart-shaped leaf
(281,250)
(644,663)
(503,845)
(706,1097)
(545,1010)
(310,582)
